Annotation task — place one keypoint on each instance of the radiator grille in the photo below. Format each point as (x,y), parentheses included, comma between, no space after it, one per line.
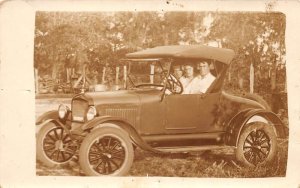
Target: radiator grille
(127,113)
(79,109)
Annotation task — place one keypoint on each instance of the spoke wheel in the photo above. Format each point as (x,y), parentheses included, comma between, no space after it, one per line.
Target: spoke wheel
(106,155)
(54,145)
(257,147)
(257,144)
(106,151)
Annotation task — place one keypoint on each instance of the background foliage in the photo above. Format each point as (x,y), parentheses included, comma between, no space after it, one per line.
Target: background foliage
(70,40)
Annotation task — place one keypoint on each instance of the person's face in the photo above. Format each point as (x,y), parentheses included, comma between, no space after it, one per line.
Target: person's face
(203,68)
(158,70)
(178,72)
(189,71)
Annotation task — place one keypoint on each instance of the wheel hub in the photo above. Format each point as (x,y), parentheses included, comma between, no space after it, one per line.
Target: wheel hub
(257,147)
(108,155)
(59,145)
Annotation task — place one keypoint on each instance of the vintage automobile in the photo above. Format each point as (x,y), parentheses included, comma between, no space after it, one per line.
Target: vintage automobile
(102,129)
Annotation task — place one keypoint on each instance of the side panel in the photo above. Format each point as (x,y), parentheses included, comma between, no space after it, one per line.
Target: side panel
(228,108)
(152,114)
(129,112)
(208,112)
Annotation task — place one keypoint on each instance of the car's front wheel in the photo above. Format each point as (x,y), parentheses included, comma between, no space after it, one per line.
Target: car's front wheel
(257,144)
(54,146)
(106,151)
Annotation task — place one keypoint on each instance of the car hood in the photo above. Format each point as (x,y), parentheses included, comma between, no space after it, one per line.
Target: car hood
(132,97)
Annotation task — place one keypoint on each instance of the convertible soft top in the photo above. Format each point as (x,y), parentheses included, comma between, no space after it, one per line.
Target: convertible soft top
(185,51)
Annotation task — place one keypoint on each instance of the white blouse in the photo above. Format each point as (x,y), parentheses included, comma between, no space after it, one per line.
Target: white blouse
(199,84)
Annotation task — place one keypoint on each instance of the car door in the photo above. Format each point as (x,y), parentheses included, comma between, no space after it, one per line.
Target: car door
(182,113)
(192,113)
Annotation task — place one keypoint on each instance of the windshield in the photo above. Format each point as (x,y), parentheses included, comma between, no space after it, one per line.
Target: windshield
(152,72)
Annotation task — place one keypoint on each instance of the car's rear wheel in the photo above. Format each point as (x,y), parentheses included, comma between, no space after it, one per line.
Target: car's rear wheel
(257,144)
(106,151)
(54,146)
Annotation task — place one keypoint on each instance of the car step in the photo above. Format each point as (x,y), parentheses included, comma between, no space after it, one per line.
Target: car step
(191,148)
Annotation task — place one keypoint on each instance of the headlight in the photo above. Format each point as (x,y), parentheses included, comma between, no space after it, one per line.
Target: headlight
(91,113)
(62,111)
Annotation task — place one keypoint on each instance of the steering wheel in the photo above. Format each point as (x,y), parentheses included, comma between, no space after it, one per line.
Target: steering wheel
(174,85)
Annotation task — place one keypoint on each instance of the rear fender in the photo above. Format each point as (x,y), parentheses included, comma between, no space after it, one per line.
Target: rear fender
(118,122)
(248,116)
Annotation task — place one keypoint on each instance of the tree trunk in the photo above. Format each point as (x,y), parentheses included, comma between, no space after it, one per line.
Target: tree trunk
(54,71)
(117,75)
(83,77)
(125,76)
(68,75)
(103,75)
(241,83)
(251,78)
(273,75)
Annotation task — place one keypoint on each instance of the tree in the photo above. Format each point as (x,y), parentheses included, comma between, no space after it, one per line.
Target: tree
(69,40)
(257,39)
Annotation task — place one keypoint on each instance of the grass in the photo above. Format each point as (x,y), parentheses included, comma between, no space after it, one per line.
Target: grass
(218,164)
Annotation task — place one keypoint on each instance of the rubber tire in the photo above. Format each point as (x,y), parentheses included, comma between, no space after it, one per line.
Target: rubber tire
(269,130)
(40,154)
(101,132)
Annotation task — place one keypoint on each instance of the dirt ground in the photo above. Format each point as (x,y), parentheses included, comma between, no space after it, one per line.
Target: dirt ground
(218,163)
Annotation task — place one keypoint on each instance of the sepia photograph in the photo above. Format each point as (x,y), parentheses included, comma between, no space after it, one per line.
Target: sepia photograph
(161,93)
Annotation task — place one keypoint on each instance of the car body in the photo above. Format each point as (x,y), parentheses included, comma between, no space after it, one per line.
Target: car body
(103,128)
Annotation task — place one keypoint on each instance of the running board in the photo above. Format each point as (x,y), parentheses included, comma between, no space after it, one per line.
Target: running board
(191,148)
(174,137)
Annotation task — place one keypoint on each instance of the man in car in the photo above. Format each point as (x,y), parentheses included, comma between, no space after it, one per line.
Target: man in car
(187,79)
(177,71)
(201,82)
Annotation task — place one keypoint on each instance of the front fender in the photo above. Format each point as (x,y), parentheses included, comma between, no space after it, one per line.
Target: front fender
(53,114)
(43,123)
(241,120)
(54,121)
(102,121)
